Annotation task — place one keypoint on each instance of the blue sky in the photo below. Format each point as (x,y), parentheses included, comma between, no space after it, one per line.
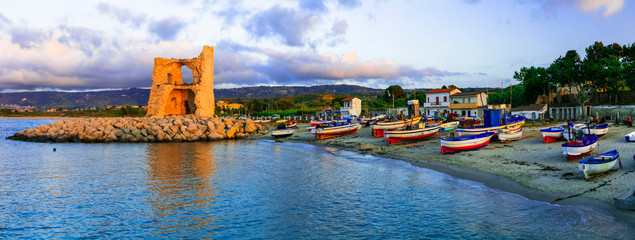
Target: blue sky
(377,43)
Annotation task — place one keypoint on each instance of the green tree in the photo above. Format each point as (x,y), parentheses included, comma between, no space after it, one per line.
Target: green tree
(255,105)
(444,87)
(283,104)
(535,81)
(568,72)
(453,86)
(395,90)
(629,65)
(604,68)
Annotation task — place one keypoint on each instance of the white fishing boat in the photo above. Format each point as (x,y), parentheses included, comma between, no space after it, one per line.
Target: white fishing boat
(397,136)
(598,130)
(322,132)
(552,134)
(580,147)
(599,163)
(280,133)
(448,126)
(630,137)
(379,127)
(507,135)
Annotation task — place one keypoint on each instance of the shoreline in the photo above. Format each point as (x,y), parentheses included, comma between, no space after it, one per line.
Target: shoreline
(427,154)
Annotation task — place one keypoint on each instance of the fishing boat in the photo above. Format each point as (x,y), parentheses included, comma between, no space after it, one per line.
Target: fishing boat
(451,145)
(508,135)
(630,137)
(432,123)
(582,146)
(448,126)
(402,135)
(262,121)
(513,124)
(572,130)
(281,133)
(379,127)
(292,124)
(598,130)
(552,134)
(599,163)
(324,132)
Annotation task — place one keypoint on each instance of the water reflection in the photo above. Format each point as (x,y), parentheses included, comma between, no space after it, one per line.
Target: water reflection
(181,180)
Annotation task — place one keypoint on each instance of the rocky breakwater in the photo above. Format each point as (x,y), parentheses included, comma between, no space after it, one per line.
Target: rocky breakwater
(171,129)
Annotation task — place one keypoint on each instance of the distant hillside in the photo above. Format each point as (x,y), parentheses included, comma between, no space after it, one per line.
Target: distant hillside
(135,96)
(267,92)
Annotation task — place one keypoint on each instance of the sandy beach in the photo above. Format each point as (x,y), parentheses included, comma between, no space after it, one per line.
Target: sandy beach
(529,167)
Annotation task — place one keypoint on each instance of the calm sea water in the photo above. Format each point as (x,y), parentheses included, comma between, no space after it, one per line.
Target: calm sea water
(259,189)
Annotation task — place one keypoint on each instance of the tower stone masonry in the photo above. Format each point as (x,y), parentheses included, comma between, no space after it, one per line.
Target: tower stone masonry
(169,96)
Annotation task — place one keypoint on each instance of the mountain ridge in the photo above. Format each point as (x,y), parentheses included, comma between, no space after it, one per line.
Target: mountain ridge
(139,97)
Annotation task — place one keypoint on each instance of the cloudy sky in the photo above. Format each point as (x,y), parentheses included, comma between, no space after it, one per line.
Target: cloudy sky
(416,44)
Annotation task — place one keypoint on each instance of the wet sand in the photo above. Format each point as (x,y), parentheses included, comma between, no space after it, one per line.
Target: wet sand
(529,167)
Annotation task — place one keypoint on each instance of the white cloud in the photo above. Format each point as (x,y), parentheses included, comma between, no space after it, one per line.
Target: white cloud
(610,7)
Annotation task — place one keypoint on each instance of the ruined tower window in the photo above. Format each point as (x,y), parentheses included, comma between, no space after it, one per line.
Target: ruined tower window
(188,77)
(169,77)
(173,99)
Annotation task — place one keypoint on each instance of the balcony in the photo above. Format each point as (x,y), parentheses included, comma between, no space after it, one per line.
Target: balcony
(436,104)
(464,105)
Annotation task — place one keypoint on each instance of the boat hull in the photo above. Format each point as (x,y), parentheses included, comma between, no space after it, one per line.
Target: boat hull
(453,145)
(331,132)
(282,133)
(378,128)
(507,136)
(480,130)
(552,134)
(599,163)
(575,150)
(630,137)
(393,137)
(448,126)
(599,130)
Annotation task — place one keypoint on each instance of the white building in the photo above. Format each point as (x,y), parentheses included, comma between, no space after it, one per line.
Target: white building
(438,101)
(532,112)
(351,106)
(468,104)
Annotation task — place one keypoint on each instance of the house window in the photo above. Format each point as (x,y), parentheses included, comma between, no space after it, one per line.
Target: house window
(463,113)
(428,99)
(468,100)
(437,100)
(428,112)
(445,98)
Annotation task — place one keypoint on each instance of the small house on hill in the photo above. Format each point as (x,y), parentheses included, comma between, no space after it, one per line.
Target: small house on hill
(531,112)
(438,101)
(468,104)
(351,106)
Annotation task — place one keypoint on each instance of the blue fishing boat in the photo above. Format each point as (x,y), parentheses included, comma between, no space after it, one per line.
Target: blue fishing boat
(578,147)
(599,163)
(597,130)
(512,123)
(451,145)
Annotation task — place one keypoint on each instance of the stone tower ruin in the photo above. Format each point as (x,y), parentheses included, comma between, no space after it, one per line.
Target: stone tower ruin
(170,96)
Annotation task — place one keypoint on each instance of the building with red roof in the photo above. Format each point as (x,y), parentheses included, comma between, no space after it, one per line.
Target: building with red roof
(351,106)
